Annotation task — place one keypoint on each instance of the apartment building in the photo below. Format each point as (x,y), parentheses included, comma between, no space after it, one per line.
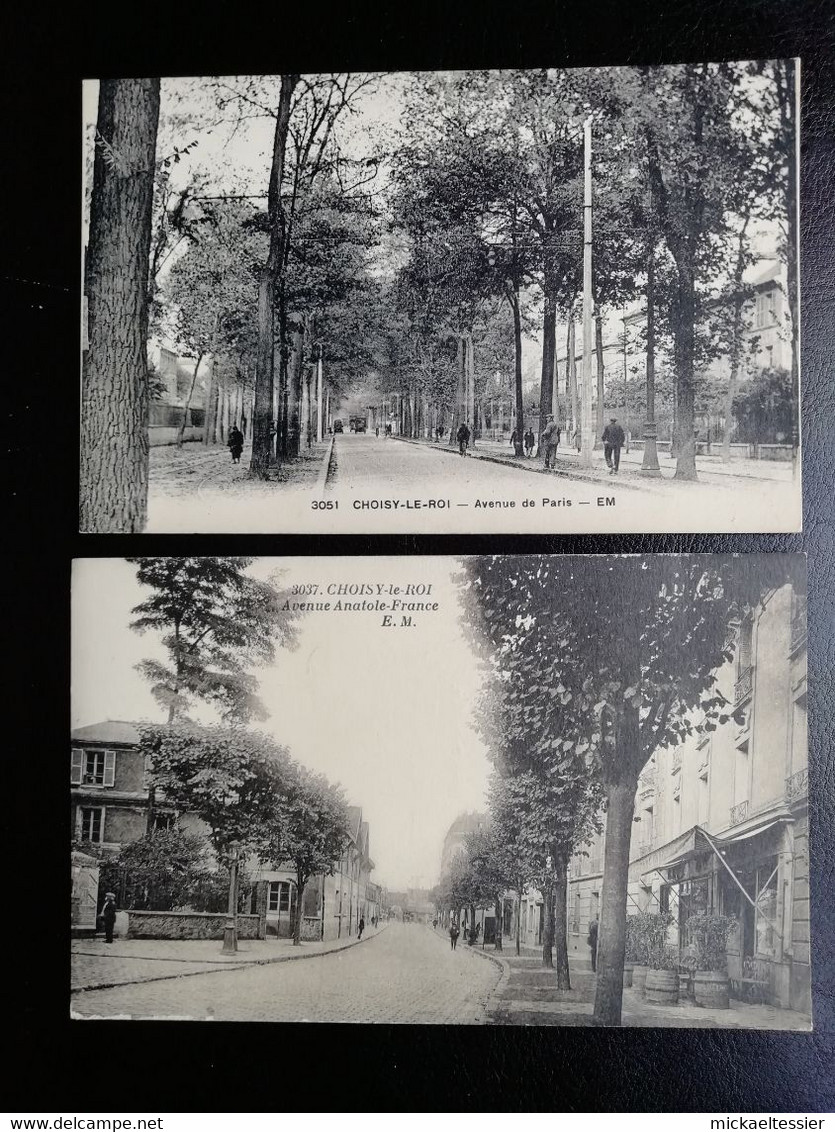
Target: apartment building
(721,821)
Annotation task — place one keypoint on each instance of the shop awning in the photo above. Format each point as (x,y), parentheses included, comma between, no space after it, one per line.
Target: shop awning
(752,828)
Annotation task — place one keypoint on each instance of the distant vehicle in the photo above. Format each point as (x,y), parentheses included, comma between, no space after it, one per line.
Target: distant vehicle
(358,424)
(337,426)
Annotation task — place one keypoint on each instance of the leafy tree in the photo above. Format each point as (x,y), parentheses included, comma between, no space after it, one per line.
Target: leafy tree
(629,647)
(159,871)
(114,398)
(308,826)
(229,778)
(216,622)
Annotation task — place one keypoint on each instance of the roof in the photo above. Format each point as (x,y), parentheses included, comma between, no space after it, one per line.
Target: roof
(109,731)
(355,822)
(467,823)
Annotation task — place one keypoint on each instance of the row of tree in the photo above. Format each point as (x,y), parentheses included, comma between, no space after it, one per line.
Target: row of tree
(488,194)
(261,284)
(594,664)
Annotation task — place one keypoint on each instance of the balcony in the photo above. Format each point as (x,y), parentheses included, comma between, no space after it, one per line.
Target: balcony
(797,786)
(739,812)
(646,783)
(744,685)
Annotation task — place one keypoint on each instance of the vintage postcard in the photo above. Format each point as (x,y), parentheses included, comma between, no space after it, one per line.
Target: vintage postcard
(554,301)
(499,790)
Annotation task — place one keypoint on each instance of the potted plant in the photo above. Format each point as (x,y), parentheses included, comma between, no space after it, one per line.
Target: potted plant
(632,951)
(662,977)
(686,972)
(710,934)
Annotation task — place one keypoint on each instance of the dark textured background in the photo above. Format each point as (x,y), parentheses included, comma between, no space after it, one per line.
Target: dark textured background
(178,1067)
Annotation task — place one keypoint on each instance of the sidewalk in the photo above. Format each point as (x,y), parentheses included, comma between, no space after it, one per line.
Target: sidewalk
(96,964)
(527,996)
(709,468)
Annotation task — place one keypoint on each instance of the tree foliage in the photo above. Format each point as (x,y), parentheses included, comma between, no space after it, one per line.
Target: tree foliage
(216,621)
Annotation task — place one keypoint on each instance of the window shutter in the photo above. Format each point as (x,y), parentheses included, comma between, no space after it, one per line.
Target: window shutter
(77,766)
(109,767)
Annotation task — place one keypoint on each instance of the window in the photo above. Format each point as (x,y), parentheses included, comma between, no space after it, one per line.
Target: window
(704,798)
(92,768)
(92,823)
(164,821)
(281,896)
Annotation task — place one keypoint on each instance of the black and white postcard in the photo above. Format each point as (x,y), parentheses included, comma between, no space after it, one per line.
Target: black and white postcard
(549,790)
(517,301)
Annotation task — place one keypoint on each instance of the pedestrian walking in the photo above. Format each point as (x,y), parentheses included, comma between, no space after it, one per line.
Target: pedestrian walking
(530,440)
(453,936)
(550,441)
(591,939)
(235,444)
(463,438)
(613,440)
(360,927)
(513,439)
(108,915)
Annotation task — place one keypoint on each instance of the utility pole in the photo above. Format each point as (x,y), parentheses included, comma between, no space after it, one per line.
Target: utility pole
(586,427)
(626,377)
(649,466)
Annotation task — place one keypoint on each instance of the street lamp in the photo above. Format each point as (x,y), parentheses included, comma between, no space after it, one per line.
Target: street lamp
(230,931)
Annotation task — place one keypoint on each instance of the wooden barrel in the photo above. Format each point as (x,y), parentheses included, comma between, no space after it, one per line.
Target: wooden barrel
(627,974)
(639,978)
(711,989)
(662,987)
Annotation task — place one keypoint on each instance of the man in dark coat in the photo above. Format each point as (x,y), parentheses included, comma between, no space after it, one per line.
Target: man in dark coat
(236,444)
(463,438)
(550,441)
(453,936)
(108,915)
(613,440)
(592,942)
(530,440)
(360,927)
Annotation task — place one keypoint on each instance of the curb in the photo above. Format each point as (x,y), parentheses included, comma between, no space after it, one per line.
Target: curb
(221,966)
(322,482)
(566,473)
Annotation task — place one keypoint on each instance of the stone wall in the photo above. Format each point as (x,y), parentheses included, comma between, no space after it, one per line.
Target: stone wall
(189,925)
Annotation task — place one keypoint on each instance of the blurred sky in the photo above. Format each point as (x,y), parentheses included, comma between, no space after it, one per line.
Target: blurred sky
(385,712)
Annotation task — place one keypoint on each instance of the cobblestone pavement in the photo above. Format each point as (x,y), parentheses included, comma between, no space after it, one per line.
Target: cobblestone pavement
(406,973)
(97,964)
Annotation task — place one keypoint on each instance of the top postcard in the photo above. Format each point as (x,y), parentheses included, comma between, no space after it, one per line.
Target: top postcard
(532,301)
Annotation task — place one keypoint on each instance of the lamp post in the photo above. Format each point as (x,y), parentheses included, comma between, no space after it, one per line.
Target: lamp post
(586,433)
(230,931)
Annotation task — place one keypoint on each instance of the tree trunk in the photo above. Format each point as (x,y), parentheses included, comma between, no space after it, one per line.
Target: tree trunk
(561,922)
(683,351)
(209,406)
(517,373)
(470,367)
(734,374)
(549,348)
(114,399)
(548,927)
(519,923)
(182,429)
(294,391)
(499,925)
(272,269)
(301,882)
(459,412)
(788,113)
(601,392)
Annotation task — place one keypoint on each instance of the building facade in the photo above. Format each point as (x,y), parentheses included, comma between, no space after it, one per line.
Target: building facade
(721,821)
(110,807)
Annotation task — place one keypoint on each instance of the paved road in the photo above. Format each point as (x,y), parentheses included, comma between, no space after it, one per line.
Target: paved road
(406,973)
(365,463)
